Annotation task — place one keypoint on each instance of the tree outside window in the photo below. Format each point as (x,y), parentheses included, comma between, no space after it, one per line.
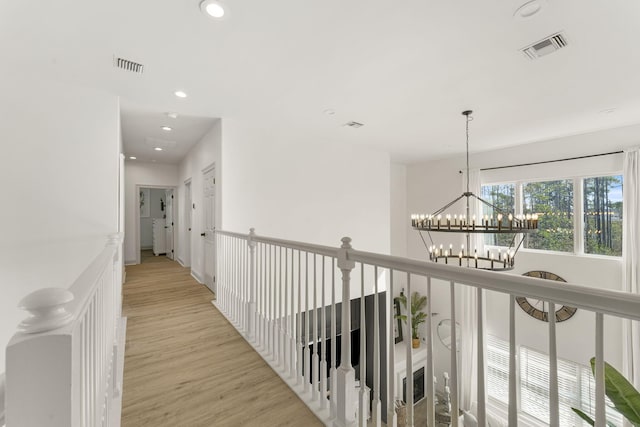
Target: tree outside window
(553,202)
(603,215)
(503,197)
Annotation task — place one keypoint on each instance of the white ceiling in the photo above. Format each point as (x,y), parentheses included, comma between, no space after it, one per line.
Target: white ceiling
(405,69)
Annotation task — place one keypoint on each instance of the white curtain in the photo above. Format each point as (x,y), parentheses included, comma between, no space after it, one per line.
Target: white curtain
(630,254)
(469,315)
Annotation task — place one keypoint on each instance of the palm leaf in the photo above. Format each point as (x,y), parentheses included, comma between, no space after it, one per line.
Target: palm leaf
(622,394)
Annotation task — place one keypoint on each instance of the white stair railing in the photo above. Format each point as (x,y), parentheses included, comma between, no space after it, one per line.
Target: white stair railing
(278,300)
(64,367)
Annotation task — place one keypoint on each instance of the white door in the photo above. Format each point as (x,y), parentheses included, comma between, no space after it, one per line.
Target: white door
(169,222)
(188,211)
(209,201)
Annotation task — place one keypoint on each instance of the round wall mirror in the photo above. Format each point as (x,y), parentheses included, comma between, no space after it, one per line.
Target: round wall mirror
(444,333)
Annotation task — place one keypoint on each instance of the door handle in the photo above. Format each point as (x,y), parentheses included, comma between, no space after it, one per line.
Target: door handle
(203,234)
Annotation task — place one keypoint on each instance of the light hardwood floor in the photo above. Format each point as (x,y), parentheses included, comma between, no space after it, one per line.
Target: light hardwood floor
(185,365)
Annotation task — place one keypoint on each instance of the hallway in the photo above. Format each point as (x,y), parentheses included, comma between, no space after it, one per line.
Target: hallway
(185,365)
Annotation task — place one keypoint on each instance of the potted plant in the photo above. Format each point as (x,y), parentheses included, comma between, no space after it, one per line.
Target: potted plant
(418,302)
(625,398)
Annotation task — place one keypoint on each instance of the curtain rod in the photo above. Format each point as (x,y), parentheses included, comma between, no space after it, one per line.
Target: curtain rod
(551,161)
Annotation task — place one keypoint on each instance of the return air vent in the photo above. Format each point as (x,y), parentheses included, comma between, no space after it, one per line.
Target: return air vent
(545,46)
(125,64)
(354,125)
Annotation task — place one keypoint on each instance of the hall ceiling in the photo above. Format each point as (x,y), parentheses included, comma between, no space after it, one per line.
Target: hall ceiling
(404,69)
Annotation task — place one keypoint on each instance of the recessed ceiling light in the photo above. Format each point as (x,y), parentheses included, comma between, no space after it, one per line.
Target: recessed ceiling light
(167,128)
(158,149)
(608,111)
(172,115)
(132,157)
(212,8)
(528,9)
(180,94)
(329,112)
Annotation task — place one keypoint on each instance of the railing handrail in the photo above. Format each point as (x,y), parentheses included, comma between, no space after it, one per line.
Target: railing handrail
(303,246)
(606,301)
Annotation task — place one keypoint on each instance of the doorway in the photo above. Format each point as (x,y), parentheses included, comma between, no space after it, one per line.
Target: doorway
(188,218)
(156,219)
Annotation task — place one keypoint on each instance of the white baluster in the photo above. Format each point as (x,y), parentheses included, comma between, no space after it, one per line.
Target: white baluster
(392,419)
(513,390)
(315,362)
(409,358)
(346,374)
(430,376)
(292,327)
(299,331)
(363,403)
(454,360)
(323,356)
(333,386)
(599,371)
(251,309)
(307,354)
(272,304)
(376,407)
(554,411)
(283,316)
(482,417)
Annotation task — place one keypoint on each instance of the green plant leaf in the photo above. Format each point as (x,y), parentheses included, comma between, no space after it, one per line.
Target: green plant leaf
(584,416)
(622,394)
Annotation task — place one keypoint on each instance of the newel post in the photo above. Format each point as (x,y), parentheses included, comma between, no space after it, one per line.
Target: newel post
(346,392)
(251,303)
(42,371)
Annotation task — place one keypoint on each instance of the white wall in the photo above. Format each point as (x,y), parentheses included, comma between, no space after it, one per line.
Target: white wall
(59,168)
(202,155)
(398,207)
(143,175)
(430,185)
(311,191)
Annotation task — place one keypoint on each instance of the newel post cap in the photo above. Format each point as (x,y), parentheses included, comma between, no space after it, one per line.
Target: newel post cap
(344,263)
(252,235)
(47,309)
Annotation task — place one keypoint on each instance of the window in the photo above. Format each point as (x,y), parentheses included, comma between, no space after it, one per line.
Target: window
(599,206)
(498,369)
(503,198)
(576,386)
(603,215)
(553,202)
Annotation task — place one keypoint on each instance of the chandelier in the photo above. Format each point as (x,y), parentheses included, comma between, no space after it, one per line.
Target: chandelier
(498,222)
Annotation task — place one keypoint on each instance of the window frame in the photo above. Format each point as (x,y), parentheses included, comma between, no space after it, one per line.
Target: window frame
(578,209)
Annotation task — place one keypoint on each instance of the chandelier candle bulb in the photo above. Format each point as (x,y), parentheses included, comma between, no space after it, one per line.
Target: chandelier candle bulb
(510,222)
(460,258)
(499,221)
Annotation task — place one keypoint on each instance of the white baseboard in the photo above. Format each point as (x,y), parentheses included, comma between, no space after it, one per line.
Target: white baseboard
(130,262)
(181,262)
(196,276)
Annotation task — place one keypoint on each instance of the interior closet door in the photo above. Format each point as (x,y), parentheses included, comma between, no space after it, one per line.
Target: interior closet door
(209,201)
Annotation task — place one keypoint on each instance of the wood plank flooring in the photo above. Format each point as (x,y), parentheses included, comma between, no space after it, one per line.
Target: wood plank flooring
(185,365)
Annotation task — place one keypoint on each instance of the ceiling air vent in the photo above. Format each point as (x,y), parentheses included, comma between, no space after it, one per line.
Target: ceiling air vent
(545,46)
(125,64)
(354,124)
